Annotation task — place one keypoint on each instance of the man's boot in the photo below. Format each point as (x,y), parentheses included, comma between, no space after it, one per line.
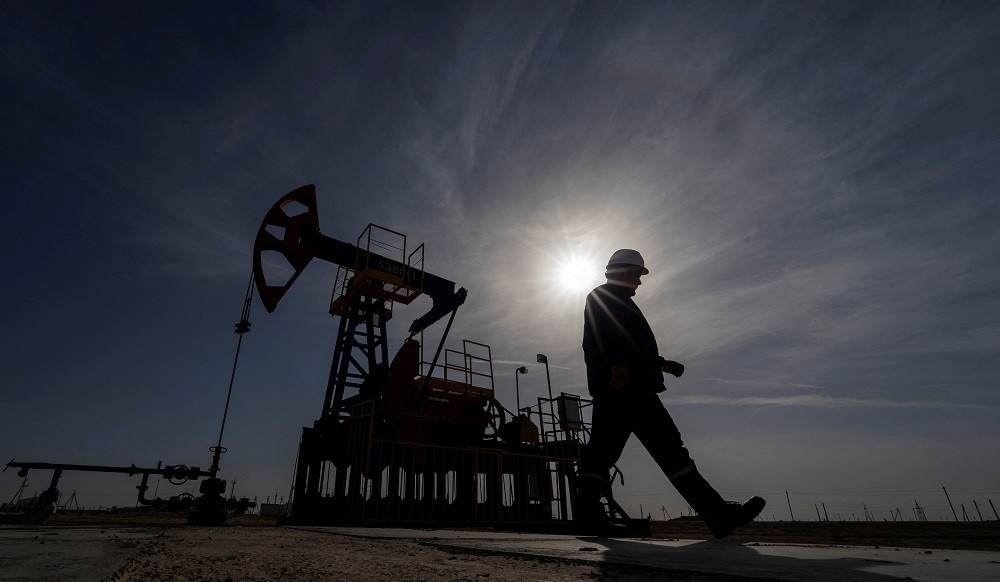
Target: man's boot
(722,517)
(589,513)
(735,515)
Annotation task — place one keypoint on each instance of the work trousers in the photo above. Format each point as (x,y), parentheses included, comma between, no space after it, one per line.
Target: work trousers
(622,413)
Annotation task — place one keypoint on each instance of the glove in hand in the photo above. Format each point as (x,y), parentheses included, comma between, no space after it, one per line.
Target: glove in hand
(673,368)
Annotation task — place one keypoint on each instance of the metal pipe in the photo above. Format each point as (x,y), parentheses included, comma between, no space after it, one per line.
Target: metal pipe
(182,472)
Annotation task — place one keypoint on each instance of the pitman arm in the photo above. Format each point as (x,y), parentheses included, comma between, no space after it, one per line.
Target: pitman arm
(442,306)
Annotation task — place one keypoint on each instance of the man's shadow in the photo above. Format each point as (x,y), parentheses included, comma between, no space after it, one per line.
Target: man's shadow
(726,561)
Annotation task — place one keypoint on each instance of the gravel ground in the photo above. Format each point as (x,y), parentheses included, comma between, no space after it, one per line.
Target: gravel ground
(266,554)
(251,548)
(254,550)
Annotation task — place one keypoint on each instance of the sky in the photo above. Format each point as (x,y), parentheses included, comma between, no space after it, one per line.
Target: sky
(813,187)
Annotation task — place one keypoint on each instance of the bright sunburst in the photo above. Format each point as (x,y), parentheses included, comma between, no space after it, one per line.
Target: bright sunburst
(578,274)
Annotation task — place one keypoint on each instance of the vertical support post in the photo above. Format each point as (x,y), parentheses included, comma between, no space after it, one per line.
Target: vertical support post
(789,499)
(517,393)
(341,357)
(541,420)
(994,509)
(543,359)
(517,388)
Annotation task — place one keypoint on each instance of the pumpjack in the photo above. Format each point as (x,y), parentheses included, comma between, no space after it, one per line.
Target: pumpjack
(411,439)
(407,440)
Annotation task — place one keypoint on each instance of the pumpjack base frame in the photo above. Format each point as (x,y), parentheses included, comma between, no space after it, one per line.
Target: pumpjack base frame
(365,480)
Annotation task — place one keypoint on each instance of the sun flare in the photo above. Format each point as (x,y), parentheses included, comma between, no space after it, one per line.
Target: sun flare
(578,274)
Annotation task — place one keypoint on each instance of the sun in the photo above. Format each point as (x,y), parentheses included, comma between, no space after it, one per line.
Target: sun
(578,274)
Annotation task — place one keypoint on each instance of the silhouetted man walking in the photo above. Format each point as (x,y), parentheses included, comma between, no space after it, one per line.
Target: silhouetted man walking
(624,375)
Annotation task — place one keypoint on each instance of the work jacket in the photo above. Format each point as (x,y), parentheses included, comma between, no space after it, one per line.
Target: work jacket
(615,333)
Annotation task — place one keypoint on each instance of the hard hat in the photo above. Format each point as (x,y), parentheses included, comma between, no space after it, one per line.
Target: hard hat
(624,258)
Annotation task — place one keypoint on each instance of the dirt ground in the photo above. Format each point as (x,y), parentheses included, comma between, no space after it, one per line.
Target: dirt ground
(256,554)
(252,548)
(253,554)
(973,535)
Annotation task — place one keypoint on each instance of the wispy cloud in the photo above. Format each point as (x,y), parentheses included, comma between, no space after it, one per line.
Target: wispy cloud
(527,363)
(760,383)
(815,401)
(777,222)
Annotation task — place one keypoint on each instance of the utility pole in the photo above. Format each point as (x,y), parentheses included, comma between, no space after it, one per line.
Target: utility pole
(949,502)
(994,509)
(789,499)
(818,518)
(825,514)
(977,510)
(965,516)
